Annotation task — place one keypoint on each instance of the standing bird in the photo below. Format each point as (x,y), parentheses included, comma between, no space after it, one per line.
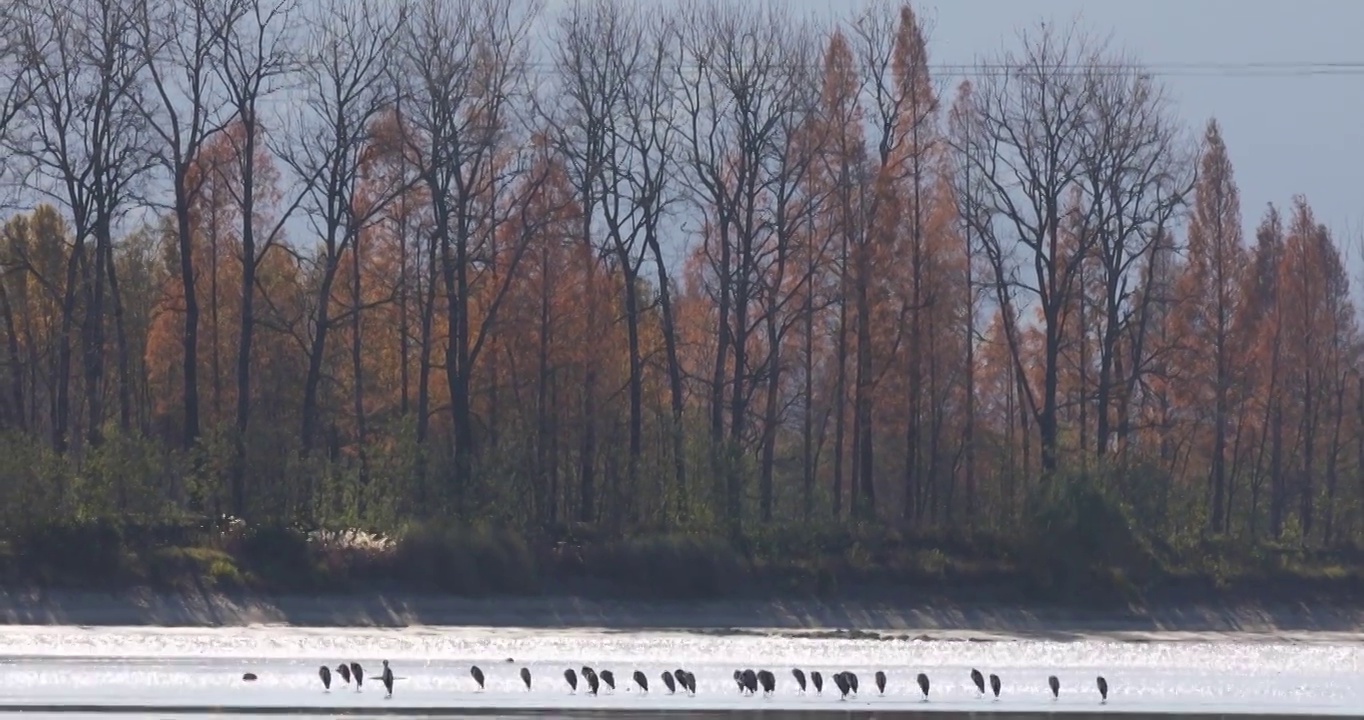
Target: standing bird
(799,675)
(478,676)
(880,682)
(994,684)
(841,680)
(609,678)
(751,682)
(768,681)
(923,685)
(325,673)
(1103,690)
(525,678)
(668,680)
(359,674)
(642,681)
(979,680)
(344,672)
(1055,686)
(852,680)
(691,682)
(593,684)
(572,679)
(387,679)
(681,676)
(739,680)
(817,680)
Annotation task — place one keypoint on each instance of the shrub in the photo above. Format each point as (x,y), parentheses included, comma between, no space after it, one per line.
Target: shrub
(462,560)
(675,566)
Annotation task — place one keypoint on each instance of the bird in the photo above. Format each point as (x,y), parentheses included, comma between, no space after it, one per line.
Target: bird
(841,680)
(668,680)
(994,684)
(525,678)
(979,680)
(248,677)
(642,681)
(325,673)
(751,682)
(344,671)
(817,680)
(593,684)
(1055,686)
(1103,690)
(768,681)
(739,680)
(609,678)
(387,679)
(881,682)
(852,680)
(799,675)
(478,676)
(683,678)
(691,682)
(923,685)
(572,679)
(359,674)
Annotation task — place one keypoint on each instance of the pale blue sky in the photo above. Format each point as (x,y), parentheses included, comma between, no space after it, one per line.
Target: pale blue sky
(1288,131)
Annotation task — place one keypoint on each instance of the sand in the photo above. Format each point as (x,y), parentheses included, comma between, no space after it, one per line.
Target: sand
(939,620)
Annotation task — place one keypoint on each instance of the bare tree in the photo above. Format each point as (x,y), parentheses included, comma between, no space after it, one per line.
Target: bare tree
(85,136)
(182,40)
(1026,151)
(347,86)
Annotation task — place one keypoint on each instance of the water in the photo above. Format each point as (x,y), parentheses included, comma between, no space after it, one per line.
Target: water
(165,673)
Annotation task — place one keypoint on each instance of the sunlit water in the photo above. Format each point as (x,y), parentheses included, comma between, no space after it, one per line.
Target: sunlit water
(171,672)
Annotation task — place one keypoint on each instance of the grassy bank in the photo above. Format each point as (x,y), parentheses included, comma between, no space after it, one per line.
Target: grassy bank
(776,562)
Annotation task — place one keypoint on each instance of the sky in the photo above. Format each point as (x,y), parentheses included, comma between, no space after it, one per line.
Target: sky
(1295,130)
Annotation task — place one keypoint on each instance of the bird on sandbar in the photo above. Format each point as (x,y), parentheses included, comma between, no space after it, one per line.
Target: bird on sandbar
(852,680)
(525,678)
(923,685)
(387,679)
(477,674)
(768,681)
(994,684)
(841,680)
(668,680)
(1103,690)
(325,673)
(1055,686)
(609,678)
(817,680)
(572,679)
(344,671)
(880,682)
(642,681)
(799,675)
(358,673)
(979,680)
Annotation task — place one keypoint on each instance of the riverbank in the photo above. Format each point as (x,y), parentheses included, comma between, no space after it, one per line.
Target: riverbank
(943,618)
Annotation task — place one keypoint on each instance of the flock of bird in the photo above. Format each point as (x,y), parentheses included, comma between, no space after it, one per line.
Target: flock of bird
(748,681)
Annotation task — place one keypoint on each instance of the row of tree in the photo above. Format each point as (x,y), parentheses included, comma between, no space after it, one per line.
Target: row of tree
(707,265)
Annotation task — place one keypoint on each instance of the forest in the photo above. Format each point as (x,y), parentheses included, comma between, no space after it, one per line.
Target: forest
(476,289)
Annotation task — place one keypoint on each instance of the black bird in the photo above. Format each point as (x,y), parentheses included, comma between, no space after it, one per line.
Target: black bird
(344,672)
(525,678)
(923,685)
(1055,686)
(248,677)
(817,680)
(1103,689)
(768,681)
(325,673)
(593,684)
(478,676)
(799,675)
(572,679)
(994,684)
(691,682)
(979,680)
(609,678)
(852,680)
(880,682)
(642,681)
(359,674)
(387,679)
(739,680)
(841,680)
(681,676)
(668,680)
(751,682)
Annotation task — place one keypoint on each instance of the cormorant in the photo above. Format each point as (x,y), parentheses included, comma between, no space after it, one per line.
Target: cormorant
(880,682)
(739,680)
(979,680)
(994,684)
(525,678)
(841,680)
(923,685)
(344,671)
(1103,689)
(817,680)
(799,675)
(358,673)
(1055,686)
(691,682)
(642,681)
(683,679)
(668,680)
(768,681)
(593,684)
(478,676)
(852,680)
(572,679)
(387,679)
(609,678)
(751,682)
(325,673)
